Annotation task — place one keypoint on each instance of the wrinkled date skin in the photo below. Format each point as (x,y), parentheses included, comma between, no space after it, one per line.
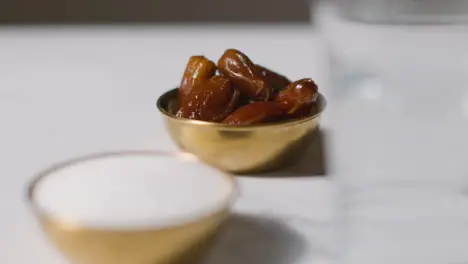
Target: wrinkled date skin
(245,75)
(211,100)
(277,81)
(199,69)
(236,91)
(299,98)
(255,113)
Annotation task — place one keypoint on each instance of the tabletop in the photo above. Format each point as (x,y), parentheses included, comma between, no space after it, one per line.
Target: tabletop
(70,91)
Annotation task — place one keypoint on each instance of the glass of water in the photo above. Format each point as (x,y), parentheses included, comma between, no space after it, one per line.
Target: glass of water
(399,115)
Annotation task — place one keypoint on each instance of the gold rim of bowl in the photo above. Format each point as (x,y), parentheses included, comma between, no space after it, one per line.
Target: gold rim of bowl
(38,212)
(171,94)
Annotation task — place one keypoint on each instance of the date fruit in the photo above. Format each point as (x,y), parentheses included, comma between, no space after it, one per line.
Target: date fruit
(199,69)
(237,91)
(299,97)
(211,100)
(245,75)
(277,81)
(254,113)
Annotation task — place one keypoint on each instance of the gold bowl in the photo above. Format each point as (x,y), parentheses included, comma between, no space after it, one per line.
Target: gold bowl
(240,149)
(173,243)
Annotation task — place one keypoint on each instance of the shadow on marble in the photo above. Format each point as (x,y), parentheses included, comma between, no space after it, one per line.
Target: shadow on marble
(248,239)
(313,163)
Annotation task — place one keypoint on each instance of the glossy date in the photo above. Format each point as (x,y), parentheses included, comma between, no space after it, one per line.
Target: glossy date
(275,80)
(245,75)
(211,100)
(242,93)
(255,113)
(199,69)
(298,98)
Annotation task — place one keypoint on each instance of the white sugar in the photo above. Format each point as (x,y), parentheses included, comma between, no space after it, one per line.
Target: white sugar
(132,191)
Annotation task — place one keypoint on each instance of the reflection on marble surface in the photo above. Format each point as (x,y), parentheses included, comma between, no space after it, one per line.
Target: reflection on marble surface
(249,239)
(267,239)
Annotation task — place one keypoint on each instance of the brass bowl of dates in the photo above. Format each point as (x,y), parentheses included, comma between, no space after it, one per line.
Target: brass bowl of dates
(239,116)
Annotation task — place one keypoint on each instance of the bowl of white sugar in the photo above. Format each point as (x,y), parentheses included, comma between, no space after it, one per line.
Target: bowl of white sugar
(131,207)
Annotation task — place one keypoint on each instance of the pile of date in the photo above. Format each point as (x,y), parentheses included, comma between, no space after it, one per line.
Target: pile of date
(237,91)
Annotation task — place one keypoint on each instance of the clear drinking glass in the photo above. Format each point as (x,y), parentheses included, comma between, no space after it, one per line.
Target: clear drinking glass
(398,109)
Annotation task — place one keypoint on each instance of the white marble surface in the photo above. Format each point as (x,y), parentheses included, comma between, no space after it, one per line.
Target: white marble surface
(72,91)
